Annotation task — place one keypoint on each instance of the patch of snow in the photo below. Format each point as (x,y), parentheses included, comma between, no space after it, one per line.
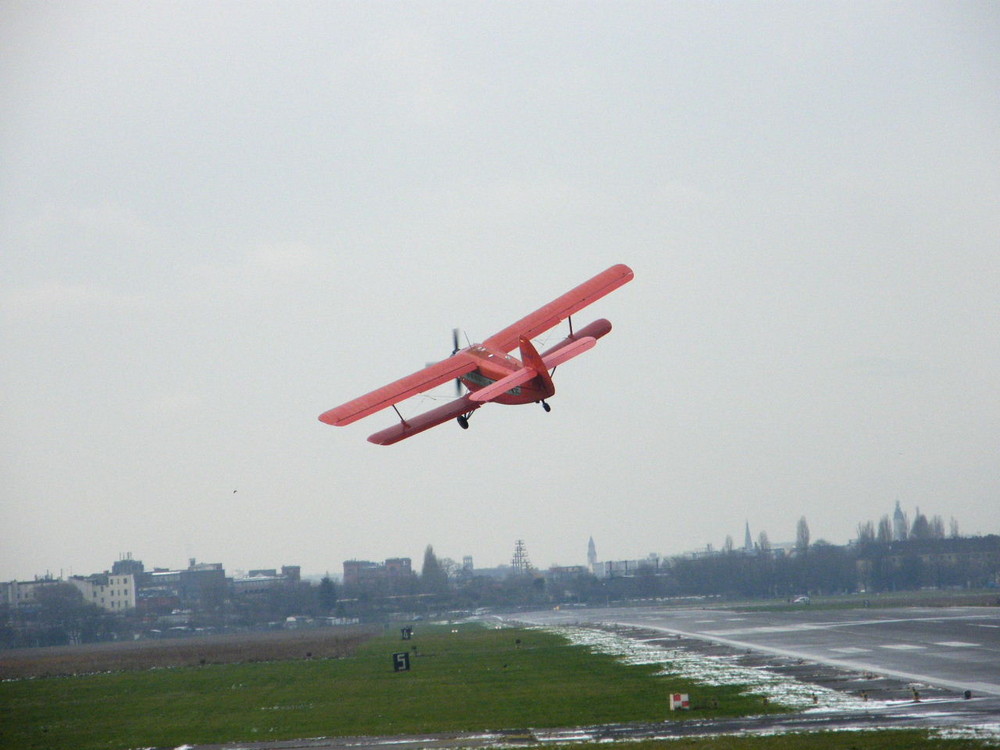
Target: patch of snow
(715,670)
(988,734)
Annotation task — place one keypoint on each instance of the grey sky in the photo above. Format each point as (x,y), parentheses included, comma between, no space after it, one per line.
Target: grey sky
(219,220)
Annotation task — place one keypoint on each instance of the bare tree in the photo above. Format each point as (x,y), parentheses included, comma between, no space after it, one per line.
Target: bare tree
(802,535)
(920,529)
(433,578)
(326,595)
(937,527)
(866,533)
(884,533)
(763,542)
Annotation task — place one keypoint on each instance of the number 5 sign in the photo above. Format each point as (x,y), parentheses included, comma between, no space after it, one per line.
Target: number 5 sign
(401,661)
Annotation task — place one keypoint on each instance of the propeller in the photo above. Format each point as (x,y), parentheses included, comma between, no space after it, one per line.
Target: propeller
(454,350)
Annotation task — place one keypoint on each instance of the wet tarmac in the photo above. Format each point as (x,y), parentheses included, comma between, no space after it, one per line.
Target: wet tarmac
(947,647)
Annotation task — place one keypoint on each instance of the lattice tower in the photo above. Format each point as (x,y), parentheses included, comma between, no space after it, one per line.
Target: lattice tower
(520,562)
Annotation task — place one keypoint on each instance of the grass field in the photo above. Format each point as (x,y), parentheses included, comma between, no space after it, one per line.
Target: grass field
(468,678)
(472,679)
(124,656)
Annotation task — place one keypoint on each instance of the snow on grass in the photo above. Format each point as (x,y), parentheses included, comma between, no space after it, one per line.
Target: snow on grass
(715,670)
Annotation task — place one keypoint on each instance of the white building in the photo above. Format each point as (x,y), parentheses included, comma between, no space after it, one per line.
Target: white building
(22,593)
(114,593)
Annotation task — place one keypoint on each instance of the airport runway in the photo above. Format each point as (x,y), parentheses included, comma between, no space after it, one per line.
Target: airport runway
(957,648)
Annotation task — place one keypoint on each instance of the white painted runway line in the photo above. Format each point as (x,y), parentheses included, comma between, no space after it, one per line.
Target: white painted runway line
(851,650)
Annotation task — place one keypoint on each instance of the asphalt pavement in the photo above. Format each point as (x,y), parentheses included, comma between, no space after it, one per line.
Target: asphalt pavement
(957,648)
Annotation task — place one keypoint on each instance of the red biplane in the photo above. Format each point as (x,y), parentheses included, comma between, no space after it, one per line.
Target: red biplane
(488,370)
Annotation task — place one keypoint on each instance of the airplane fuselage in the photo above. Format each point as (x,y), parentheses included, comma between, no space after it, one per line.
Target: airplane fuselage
(492,365)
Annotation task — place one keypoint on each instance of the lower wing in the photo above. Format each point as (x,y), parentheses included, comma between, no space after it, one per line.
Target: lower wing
(399,390)
(425,421)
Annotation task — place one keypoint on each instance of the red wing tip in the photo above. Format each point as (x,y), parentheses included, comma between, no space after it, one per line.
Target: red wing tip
(330,417)
(623,271)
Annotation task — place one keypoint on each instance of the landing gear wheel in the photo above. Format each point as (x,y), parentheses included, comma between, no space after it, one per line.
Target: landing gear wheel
(463,422)
(546,407)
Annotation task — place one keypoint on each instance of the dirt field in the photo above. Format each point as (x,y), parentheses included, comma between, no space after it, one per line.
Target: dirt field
(322,643)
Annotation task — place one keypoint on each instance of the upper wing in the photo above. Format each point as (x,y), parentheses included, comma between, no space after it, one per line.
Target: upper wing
(561,308)
(429,377)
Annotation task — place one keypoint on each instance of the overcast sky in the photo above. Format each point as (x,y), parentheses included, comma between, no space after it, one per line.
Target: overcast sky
(218,220)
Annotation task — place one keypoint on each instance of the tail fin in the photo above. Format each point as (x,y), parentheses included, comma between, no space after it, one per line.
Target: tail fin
(531,358)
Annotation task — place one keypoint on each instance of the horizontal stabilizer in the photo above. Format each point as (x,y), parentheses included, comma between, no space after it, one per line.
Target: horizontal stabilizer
(424,421)
(516,378)
(596,330)
(569,351)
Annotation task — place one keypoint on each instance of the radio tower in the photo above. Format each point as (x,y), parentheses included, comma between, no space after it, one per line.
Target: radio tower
(520,562)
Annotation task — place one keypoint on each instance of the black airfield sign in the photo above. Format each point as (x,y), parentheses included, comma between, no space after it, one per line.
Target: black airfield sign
(401,661)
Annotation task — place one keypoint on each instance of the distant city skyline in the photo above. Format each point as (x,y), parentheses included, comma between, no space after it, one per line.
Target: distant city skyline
(589,547)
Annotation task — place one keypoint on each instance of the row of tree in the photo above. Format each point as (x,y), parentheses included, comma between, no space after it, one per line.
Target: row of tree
(870,533)
(921,528)
(61,616)
(814,568)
